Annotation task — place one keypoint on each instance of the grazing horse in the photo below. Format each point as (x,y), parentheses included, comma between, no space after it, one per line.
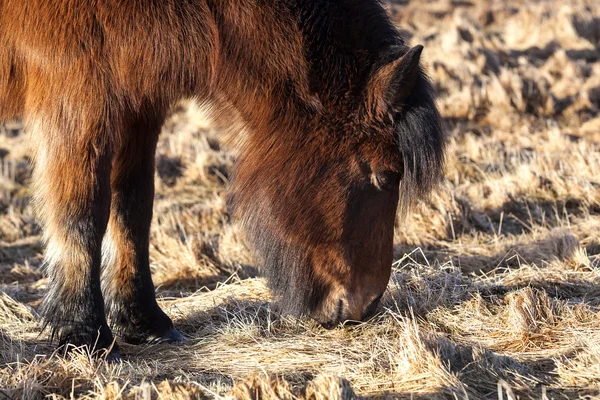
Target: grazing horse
(342,130)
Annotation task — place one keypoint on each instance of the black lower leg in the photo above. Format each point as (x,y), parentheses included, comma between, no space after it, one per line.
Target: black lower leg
(127,282)
(77,319)
(75,205)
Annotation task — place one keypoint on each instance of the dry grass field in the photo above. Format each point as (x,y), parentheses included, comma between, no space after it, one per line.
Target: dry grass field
(496,285)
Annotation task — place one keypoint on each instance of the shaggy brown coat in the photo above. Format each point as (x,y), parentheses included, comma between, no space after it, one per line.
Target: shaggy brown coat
(341,127)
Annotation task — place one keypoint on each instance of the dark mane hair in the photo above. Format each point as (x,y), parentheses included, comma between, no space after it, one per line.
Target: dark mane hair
(345,42)
(422,141)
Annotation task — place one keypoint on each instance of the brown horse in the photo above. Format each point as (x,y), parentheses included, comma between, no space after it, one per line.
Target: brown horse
(342,128)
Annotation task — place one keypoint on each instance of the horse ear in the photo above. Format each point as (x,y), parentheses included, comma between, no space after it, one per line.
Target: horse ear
(393,82)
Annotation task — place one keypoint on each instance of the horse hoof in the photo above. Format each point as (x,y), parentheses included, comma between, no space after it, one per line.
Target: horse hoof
(173,336)
(113,357)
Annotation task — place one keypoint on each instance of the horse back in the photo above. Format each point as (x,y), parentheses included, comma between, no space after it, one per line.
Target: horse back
(81,52)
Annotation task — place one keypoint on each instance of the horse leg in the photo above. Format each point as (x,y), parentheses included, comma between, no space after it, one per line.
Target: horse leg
(72,182)
(127,282)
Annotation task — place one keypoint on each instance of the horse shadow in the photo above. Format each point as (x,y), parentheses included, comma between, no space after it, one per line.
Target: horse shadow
(21,252)
(21,270)
(516,216)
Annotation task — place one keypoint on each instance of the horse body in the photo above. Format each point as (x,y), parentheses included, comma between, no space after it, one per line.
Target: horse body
(338,113)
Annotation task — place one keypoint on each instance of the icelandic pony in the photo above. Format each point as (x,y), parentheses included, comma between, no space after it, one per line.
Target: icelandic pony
(342,129)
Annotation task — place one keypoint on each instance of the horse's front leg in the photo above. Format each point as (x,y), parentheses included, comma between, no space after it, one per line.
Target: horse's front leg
(127,282)
(72,181)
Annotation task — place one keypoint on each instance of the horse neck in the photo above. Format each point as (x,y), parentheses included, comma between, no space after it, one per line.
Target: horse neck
(261,68)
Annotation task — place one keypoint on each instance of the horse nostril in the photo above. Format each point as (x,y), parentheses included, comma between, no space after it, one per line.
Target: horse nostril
(329,325)
(370,310)
(340,315)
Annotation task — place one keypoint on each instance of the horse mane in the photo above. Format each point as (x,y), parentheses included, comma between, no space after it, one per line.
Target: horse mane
(421,140)
(344,43)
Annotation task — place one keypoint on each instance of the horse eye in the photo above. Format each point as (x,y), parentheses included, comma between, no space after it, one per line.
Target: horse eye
(386,180)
